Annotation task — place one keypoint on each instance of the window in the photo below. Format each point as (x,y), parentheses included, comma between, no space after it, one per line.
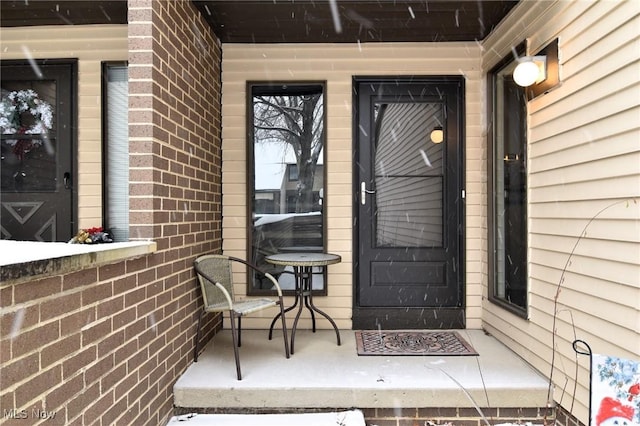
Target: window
(116,151)
(508,190)
(286,137)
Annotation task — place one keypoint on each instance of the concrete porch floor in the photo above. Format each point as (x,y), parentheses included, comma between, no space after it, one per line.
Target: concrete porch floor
(321,374)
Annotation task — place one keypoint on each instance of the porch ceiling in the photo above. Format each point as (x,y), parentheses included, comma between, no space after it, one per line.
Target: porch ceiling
(293,21)
(19,13)
(312,21)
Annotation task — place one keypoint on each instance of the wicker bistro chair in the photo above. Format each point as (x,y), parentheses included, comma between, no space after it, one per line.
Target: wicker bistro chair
(216,282)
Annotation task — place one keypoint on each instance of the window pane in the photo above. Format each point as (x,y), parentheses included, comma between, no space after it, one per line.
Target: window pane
(509,191)
(409,175)
(117,153)
(286,177)
(29,148)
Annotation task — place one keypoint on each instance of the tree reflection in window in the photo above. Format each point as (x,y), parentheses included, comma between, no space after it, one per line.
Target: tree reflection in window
(287,132)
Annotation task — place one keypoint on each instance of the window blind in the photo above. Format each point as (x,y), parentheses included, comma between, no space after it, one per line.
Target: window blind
(117,152)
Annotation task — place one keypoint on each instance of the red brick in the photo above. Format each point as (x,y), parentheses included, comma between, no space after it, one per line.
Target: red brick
(80,278)
(110,343)
(124,352)
(6,400)
(38,385)
(98,370)
(75,322)
(110,416)
(14,322)
(134,297)
(146,277)
(108,307)
(32,290)
(111,271)
(59,350)
(136,361)
(136,265)
(96,331)
(126,385)
(96,408)
(59,306)
(97,293)
(78,404)
(145,308)
(123,318)
(6,296)
(124,284)
(78,362)
(113,377)
(34,339)
(16,371)
(58,397)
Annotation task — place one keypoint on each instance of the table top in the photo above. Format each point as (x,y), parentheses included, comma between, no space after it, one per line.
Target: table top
(303,259)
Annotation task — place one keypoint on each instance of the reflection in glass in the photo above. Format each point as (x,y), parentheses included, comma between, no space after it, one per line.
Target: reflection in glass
(28,148)
(510,190)
(287,177)
(409,176)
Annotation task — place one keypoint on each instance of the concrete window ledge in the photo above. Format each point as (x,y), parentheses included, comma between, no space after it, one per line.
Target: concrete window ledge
(24,260)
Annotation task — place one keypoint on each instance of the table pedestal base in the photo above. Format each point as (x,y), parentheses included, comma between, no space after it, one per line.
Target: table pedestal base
(304,298)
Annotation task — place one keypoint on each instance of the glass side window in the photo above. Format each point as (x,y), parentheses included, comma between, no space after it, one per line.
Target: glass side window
(508,191)
(116,151)
(286,134)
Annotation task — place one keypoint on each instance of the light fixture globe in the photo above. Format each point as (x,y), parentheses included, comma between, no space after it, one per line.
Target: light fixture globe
(526,73)
(437,135)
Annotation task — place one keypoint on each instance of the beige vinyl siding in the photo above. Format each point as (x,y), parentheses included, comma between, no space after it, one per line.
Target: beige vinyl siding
(90,45)
(337,64)
(584,164)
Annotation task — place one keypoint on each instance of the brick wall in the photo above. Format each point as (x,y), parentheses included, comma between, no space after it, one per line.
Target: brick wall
(420,416)
(105,345)
(455,416)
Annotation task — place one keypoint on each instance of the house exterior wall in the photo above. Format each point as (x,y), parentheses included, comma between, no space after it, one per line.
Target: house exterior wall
(584,165)
(105,344)
(90,45)
(337,64)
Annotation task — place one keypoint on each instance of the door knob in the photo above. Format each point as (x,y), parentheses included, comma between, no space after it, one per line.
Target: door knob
(363,193)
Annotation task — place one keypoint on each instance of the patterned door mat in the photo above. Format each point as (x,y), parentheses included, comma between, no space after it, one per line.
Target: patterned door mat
(412,342)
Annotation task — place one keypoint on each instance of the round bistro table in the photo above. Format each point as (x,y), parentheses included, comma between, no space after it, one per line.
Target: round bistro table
(303,264)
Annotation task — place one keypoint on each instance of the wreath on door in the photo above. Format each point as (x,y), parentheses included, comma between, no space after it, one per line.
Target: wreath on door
(23,112)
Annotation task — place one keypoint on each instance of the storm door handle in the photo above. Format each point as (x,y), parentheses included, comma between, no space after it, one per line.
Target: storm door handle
(66,178)
(363,193)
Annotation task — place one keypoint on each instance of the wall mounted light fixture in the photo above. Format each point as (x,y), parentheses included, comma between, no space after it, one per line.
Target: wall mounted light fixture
(437,134)
(538,73)
(530,70)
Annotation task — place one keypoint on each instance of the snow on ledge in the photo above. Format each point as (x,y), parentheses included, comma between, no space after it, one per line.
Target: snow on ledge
(21,260)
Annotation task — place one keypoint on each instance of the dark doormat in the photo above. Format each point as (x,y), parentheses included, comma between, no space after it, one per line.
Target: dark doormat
(412,342)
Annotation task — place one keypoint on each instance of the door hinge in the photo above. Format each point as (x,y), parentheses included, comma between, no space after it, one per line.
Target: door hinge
(464,194)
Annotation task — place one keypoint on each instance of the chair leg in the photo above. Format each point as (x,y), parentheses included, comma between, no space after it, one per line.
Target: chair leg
(197,345)
(284,328)
(234,334)
(239,330)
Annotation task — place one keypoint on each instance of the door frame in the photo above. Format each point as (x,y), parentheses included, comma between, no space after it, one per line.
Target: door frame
(447,317)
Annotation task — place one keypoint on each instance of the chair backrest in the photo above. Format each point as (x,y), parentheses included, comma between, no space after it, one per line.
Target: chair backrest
(212,268)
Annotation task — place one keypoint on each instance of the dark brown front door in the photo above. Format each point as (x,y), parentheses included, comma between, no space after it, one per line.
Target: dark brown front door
(36,167)
(409,199)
